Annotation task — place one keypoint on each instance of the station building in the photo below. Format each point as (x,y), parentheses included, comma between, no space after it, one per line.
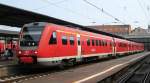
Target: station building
(113,29)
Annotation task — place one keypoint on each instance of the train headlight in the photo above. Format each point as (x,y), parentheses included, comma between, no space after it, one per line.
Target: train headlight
(19,52)
(35,52)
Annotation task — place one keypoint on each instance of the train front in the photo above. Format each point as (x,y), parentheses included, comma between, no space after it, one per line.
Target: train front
(28,43)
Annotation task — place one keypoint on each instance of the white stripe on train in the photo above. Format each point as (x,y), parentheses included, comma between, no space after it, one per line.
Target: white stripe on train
(100,55)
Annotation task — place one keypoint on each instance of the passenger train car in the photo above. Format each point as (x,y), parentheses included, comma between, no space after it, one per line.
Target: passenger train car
(51,44)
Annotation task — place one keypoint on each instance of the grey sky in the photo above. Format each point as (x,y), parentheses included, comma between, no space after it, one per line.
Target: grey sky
(134,12)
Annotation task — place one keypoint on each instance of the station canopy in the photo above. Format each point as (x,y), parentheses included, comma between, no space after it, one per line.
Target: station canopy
(12,16)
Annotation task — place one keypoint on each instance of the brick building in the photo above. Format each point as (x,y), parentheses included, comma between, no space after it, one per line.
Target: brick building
(114,29)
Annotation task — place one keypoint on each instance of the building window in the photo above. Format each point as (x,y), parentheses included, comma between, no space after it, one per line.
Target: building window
(53,39)
(71,40)
(64,40)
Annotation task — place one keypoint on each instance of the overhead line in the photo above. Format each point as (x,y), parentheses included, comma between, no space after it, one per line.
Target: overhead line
(103,11)
(146,16)
(66,9)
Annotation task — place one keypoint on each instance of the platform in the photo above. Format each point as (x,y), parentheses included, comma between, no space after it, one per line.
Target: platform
(7,62)
(91,73)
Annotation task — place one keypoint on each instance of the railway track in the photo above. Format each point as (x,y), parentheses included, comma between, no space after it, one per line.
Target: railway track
(20,78)
(139,73)
(24,73)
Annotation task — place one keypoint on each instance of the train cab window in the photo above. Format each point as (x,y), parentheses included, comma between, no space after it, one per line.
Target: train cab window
(93,43)
(53,39)
(88,42)
(64,40)
(78,40)
(96,42)
(71,40)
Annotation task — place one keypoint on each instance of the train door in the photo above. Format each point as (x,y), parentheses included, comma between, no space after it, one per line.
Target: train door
(79,57)
(114,47)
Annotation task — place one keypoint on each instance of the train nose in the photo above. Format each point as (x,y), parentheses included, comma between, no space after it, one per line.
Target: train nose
(28,52)
(28,56)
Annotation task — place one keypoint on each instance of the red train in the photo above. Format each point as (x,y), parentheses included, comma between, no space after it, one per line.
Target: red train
(51,44)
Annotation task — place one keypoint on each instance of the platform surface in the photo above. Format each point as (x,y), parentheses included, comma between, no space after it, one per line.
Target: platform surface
(7,62)
(91,73)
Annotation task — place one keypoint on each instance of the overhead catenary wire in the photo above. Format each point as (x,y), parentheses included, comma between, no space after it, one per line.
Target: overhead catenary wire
(148,11)
(142,8)
(59,2)
(66,9)
(103,11)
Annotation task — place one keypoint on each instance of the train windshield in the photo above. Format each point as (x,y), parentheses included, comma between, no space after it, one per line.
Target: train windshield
(31,36)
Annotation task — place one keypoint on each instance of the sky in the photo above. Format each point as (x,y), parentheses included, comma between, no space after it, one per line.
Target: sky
(133,12)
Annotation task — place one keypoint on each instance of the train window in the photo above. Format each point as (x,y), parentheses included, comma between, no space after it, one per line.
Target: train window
(71,40)
(96,42)
(88,42)
(53,39)
(105,43)
(93,43)
(110,43)
(78,40)
(100,43)
(64,40)
(33,28)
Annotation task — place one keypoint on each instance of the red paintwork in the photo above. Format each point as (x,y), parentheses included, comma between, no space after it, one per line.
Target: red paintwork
(26,53)
(121,49)
(26,59)
(45,50)
(2,47)
(59,50)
